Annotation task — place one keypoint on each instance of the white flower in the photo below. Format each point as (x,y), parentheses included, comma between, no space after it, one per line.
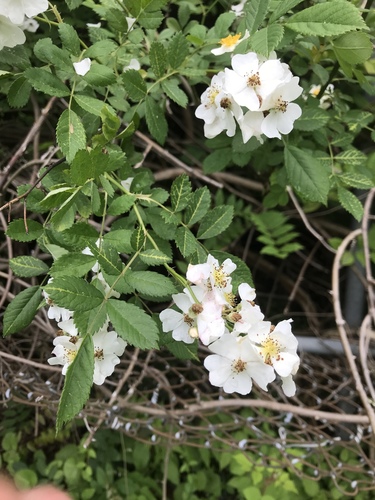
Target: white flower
(10,35)
(182,325)
(251,125)
(253,79)
(134,64)
(55,312)
(278,348)
(238,9)
(218,109)
(66,346)
(30,25)
(210,322)
(107,349)
(235,364)
(82,67)
(16,10)
(281,111)
(229,43)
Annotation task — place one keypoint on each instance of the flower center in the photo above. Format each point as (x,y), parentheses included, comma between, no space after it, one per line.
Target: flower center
(270,349)
(230,40)
(253,80)
(99,354)
(188,320)
(281,105)
(212,94)
(239,366)
(69,355)
(225,103)
(220,277)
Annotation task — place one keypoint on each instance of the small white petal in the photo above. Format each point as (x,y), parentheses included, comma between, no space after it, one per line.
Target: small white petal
(82,67)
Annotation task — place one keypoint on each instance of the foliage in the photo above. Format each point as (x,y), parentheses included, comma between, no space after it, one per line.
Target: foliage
(99,177)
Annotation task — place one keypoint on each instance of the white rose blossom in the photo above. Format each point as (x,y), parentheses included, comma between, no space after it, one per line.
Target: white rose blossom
(16,10)
(10,34)
(107,349)
(66,346)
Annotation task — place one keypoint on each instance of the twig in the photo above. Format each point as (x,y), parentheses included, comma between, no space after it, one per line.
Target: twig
(24,361)
(306,222)
(363,352)
(340,322)
(10,255)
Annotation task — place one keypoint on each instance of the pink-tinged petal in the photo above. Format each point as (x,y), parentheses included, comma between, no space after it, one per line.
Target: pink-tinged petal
(198,273)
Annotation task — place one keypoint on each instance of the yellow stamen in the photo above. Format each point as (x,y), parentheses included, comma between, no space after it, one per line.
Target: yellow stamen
(230,40)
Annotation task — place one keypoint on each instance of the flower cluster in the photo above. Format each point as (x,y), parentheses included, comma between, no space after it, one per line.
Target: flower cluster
(245,347)
(108,346)
(256,94)
(15,16)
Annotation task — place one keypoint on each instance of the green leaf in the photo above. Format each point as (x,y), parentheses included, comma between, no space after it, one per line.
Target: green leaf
(78,382)
(70,134)
(154,257)
(180,191)
(158,59)
(21,311)
(313,118)
(110,121)
(185,241)
(179,349)
(90,164)
(120,240)
(121,204)
(91,321)
(215,221)
(17,230)
(223,23)
(151,20)
(69,38)
(327,19)
(267,39)
(353,48)
(72,264)
(100,76)
(217,160)
(107,257)
(132,324)
(46,51)
(73,4)
(178,49)
(150,283)
(352,157)
(282,8)
(155,119)
(74,294)
(173,91)
(27,266)
(138,239)
(255,12)
(19,93)
(134,85)
(355,180)
(89,104)
(350,202)
(46,82)
(306,174)
(198,205)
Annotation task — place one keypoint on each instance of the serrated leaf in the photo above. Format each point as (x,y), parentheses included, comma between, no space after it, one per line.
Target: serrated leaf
(154,257)
(223,23)
(306,174)
(69,38)
(46,82)
(47,52)
(132,324)
(179,349)
(158,59)
(198,205)
(72,264)
(26,266)
(356,180)
(138,239)
(180,191)
(99,76)
(107,257)
(150,283)
(352,157)
(178,49)
(185,241)
(78,382)
(70,134)
(134,85)
(121,204)
(17,230)
(19,93)
(267,39)
(91,164)
(312,119)
(89,104)
(74,293)
(282,8)
(255,12)
(354,48)
(217,160)
(350,202)
(151,20)
(215,222)
(327,19)
(173,91)
(90,321)
(120,240)
(155,119)
(110,123)
(21,311)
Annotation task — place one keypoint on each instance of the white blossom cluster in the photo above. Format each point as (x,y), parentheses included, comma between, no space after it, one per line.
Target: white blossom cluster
(245,347)
(108,346)
(15,17)
(256,94)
